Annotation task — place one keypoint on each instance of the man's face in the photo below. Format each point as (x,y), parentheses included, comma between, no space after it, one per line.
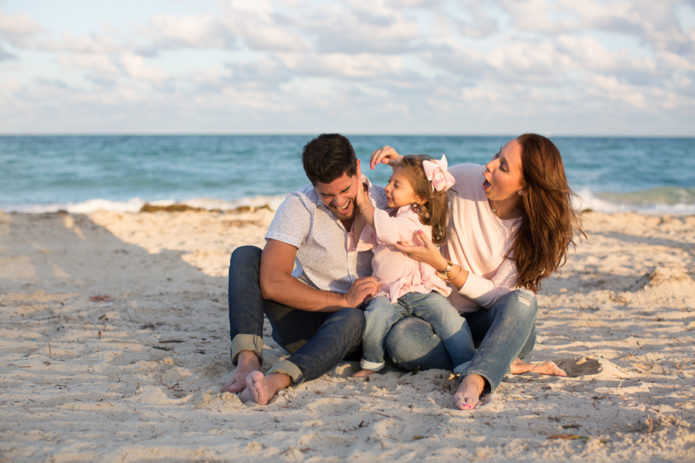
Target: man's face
(339,195)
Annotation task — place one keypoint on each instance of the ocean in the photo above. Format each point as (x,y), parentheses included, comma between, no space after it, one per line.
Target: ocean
(82,173)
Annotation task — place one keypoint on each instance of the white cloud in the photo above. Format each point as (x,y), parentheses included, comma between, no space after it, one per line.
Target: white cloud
(190,31)
(344,66)
(136,68)
(102,64)
(429,64)
(16,29)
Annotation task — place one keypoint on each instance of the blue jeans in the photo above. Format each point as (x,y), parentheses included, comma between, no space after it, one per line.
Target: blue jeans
(317,341)
(381,314)
(502,332)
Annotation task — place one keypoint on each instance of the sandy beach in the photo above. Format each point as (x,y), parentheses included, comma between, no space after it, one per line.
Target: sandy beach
(114,343)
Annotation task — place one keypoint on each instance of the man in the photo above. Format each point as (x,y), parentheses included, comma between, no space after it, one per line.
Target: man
(311,306)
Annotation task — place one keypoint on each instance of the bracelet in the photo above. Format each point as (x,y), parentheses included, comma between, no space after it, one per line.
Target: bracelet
(444,273)
(452,278)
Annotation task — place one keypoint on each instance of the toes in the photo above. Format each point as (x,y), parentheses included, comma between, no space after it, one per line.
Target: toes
(464,403)
(233,386)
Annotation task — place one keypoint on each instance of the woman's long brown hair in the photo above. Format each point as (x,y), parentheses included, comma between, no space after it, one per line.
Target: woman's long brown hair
(549,222)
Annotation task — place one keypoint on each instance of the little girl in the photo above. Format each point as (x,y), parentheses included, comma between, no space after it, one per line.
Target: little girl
(417,199)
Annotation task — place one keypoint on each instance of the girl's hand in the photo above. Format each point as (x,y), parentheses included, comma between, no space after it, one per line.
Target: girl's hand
(423,251)
(362,195)
(385,155)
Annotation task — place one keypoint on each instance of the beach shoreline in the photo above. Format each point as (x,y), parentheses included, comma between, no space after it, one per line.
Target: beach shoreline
(115,343)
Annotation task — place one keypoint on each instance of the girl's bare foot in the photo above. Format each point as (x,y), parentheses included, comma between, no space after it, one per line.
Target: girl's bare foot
(263,388)
(468,393)
(247,362)
(363,372)
(519,367)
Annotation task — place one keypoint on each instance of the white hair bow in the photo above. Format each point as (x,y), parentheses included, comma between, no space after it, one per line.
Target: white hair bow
(437,173)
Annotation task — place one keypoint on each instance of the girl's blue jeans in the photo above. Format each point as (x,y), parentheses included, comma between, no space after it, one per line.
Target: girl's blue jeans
(381,314)
(502,332)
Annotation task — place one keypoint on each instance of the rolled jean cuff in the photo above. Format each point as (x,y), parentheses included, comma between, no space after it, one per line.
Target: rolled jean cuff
(373,366)
(250,342)
(288,368)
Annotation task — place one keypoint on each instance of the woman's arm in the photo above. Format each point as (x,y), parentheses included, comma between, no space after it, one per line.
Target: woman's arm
(385,155)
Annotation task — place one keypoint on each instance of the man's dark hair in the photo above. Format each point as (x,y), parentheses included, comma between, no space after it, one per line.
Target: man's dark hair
(328,157)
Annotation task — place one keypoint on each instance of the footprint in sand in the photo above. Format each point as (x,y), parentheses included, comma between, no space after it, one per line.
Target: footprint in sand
(579,366)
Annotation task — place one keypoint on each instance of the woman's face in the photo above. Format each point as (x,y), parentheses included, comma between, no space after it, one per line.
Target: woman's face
(503,177)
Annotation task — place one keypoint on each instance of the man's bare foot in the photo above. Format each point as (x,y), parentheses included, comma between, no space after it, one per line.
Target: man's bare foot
(468,393)
(247,362)
(363,373)
(519,367)
(263,388)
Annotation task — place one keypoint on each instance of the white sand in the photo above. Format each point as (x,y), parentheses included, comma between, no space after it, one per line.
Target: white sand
(114,342)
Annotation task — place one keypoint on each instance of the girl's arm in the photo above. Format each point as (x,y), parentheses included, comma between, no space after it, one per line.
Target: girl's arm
(364,206)
(392,230)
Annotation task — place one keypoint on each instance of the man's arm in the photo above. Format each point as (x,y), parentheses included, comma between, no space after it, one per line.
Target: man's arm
(278,284)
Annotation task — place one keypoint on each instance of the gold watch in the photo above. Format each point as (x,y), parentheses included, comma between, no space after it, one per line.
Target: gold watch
(444,273)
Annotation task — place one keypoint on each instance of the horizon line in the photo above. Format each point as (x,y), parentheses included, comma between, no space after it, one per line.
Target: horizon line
(396,134)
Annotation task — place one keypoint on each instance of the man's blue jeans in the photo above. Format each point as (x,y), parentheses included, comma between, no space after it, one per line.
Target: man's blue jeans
(381,314)
(502,332)
(317,341)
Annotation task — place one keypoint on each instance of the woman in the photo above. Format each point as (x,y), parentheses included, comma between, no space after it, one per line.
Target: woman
(511,224)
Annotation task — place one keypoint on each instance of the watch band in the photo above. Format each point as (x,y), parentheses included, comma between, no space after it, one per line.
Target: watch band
(444,273)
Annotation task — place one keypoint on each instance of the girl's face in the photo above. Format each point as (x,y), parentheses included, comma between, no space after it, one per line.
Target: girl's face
(399,191)
(504,179)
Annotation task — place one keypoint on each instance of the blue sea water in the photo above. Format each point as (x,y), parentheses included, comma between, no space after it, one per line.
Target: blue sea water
(88,172)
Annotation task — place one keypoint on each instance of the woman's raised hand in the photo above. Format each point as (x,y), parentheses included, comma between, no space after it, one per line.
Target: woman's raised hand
(385,155)
(423,250)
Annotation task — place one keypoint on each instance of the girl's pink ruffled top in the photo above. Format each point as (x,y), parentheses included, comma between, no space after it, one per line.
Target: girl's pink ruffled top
(398,273)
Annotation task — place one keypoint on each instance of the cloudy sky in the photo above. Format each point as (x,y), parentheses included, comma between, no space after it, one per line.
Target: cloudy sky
(585,67)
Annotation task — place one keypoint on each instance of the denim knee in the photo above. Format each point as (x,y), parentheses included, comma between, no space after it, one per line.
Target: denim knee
(353,319)
(523,302)
(412,345)
(245,257)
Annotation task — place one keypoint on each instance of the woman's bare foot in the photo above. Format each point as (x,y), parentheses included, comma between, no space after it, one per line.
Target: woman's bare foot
(263,388)
(468,393)
(363,373)
(247,362)
(519,367)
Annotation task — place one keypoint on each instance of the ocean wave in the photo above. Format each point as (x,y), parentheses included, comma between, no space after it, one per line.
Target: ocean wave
(135,204)
(661,200)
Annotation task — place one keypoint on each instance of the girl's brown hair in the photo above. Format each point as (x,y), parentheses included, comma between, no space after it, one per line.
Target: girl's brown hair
(549,222)
(434,212)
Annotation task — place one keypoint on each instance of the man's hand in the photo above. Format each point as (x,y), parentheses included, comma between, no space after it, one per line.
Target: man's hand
(360,290)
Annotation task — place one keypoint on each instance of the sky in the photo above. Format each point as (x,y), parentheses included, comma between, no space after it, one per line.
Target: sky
(565,67)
